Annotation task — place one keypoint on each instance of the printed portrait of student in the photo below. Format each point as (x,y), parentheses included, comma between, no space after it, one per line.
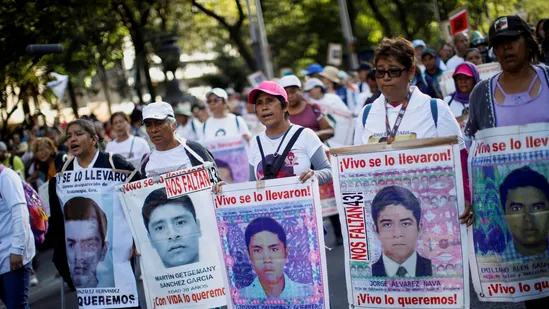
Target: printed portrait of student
(268,251)
(87,245)
(224,170)
(173,228)
(354,271)
(83,144)
(396,213)
(524,196)
(408,112)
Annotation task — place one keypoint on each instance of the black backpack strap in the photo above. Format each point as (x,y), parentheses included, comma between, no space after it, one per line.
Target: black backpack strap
(263,160)
(12,157)
(280,159)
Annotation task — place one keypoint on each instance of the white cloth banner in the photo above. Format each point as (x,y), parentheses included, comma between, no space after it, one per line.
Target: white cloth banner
(173,224)
(98,238)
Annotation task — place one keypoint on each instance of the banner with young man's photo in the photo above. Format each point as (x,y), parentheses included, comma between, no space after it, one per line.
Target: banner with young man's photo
(509,247)
(231,158)
(171,218)
(272,244)
(399,206)
(99,261)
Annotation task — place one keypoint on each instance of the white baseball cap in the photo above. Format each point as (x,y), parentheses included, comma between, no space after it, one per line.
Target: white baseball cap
(157,110)
(289,81)
(183,109)
(313,82)
(220,93)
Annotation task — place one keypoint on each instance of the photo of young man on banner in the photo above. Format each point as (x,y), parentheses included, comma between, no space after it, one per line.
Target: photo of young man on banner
(399,210)
(171,220)
(510,237)
(272,244)
(231,157)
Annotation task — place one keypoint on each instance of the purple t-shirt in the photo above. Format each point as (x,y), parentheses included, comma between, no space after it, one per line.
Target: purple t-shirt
(516,112)
(308,117)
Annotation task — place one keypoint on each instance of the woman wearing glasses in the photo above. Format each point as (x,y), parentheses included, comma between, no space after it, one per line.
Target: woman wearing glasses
(403,112)
(222,123)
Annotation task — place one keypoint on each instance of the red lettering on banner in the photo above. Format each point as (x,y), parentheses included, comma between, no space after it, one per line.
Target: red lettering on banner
(498,288)
(535,142)
(404,159)
(356,226)
(406,301)
(187,183)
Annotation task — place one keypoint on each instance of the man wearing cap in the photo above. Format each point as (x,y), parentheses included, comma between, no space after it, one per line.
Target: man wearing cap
(430,60)
(222,123)
(10,160)
(315,92)
(419,46)
(302,113)
(461,45)
(330,77)
(171,153)
(187,126)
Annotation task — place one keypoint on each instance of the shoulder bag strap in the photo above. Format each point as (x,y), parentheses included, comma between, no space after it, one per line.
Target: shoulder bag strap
(280,159)
(131,148)
(365,114)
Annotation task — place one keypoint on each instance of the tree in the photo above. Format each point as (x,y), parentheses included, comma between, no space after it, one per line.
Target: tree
(235,30)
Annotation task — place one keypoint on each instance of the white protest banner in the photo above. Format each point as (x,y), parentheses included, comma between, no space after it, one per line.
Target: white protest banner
(272,236)
(399,206)
(231,158)
(98,260)
(343,122)
(486,70)
(171,219)
(509,252)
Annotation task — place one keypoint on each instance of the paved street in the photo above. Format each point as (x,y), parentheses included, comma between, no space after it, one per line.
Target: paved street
(47,295)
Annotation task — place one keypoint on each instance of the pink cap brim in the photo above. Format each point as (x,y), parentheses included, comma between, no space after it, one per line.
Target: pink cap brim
(252,94)
(464,70)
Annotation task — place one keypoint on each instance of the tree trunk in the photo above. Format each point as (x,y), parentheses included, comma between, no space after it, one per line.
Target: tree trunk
(381,18)
(236,36)
(137,83)
(141,59)
(105,82)
(74,102)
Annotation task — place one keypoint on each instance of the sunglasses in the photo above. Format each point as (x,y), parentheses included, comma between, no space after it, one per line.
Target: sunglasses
(393,73)
(215,100)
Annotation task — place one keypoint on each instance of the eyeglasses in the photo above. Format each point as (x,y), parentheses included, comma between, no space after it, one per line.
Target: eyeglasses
(393,73)
(215,100)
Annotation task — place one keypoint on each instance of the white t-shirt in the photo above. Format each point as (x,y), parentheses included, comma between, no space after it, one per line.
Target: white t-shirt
(417,122)
(216,127)
(14,216)
(190,131)
(298,159)
(133,148)
(162,162)
(340,117)
(453,62)
(455,106)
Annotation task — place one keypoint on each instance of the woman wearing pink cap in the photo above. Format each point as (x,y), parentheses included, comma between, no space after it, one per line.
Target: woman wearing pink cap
(465,77)
(283,149)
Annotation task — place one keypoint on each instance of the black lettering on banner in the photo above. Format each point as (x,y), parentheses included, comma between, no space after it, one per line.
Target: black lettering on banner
(106,300)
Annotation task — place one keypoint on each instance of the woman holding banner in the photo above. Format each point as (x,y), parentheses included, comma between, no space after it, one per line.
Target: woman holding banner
(414,114)
(84,208)
(519,95)
(283,149)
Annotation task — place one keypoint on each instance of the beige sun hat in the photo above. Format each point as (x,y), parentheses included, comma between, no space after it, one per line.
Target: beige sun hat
(331,73)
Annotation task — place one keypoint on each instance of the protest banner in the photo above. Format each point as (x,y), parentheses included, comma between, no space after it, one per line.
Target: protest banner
(271,235)
(171,218)
(327,196)
(459,20)
(399,206)
(486,70)
(343,122)
(509,168)
(98,260)
(231,158)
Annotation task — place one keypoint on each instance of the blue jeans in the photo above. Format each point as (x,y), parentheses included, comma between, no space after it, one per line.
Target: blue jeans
(14,287)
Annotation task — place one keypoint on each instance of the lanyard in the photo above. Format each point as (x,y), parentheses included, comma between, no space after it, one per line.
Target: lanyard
(391,133)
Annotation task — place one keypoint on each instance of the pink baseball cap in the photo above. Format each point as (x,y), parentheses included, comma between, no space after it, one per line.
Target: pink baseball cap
(464,70)
(269,87)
